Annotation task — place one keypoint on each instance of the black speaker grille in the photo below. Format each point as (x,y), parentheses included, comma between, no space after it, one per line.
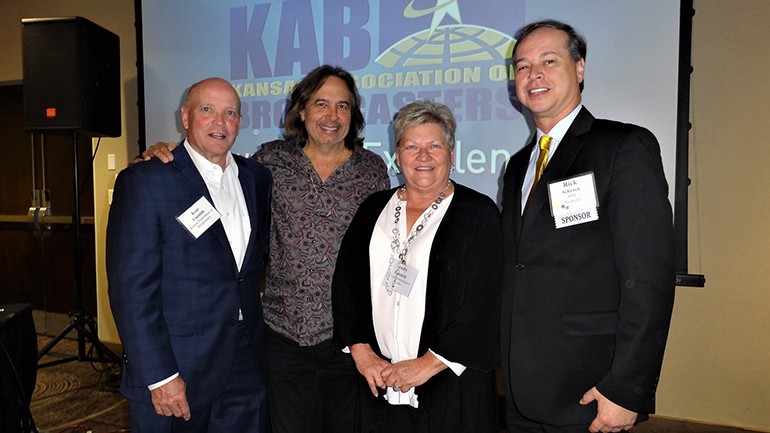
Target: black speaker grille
(71,72)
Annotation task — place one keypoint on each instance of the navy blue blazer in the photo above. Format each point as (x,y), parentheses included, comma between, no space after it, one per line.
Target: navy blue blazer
(588,305)
(175,298)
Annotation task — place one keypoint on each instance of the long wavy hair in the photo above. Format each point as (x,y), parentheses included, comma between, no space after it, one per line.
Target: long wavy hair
(306,88)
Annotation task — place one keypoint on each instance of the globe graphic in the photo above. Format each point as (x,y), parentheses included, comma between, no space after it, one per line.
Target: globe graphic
(447,45)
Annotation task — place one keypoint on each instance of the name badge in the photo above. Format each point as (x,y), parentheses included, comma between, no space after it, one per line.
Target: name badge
(199,217)
(574,200)
(401,279)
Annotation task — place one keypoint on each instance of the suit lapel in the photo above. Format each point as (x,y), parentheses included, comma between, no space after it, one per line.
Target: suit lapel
(248,185)
(557,168)
(519,167)
(192,181)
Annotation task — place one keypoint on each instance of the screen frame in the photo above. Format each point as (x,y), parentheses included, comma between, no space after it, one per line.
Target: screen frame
(683,126)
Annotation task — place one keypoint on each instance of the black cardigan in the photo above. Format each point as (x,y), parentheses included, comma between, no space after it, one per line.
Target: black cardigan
(462,305)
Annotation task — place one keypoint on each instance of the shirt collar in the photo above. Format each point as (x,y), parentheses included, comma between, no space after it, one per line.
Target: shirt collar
(205,166)
(560,129)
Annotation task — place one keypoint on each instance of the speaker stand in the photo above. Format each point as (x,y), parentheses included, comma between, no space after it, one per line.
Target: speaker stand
(80,321)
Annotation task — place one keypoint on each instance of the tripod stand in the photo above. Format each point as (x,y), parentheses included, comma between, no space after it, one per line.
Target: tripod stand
(80,320)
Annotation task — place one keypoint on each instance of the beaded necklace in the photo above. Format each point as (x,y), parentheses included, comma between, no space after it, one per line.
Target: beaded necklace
(396,242)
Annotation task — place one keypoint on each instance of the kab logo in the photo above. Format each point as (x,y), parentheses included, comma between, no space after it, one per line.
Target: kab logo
(275,39)
(340,23)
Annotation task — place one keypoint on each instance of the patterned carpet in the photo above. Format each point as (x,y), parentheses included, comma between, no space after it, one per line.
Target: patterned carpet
(77,396)
(80,397)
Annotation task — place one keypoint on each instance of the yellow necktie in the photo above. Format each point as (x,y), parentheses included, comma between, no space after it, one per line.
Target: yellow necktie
(542,158)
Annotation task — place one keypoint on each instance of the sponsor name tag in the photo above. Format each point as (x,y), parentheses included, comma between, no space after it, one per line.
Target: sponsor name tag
(574,200)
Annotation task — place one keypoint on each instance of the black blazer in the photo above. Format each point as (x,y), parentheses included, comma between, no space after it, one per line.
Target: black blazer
(461,312)
(588,305)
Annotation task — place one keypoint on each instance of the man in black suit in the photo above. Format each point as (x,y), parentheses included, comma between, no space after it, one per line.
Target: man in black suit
(589,279)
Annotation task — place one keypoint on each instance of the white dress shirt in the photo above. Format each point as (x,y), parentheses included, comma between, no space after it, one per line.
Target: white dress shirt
(227,194)
(557,134)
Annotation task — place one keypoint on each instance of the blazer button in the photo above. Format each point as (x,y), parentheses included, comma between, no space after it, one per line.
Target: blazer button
(233,322)
(519,266)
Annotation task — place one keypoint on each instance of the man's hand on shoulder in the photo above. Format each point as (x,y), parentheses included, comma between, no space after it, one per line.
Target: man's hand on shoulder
(609,417)
(170,399)
(160,150)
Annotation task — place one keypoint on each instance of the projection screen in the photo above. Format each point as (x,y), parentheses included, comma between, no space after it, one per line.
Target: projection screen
(453,51)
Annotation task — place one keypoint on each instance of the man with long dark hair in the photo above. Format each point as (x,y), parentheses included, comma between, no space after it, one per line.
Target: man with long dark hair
(322,173)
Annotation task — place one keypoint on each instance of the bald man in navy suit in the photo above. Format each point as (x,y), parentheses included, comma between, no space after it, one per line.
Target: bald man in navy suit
(186,243)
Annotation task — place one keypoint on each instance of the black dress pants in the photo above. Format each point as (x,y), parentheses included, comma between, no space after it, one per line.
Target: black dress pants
(312,389)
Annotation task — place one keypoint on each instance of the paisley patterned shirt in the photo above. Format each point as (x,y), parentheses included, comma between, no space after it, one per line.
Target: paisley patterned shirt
(309,218)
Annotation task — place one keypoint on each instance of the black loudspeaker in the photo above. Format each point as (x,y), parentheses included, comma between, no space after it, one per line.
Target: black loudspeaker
(71,76)
(18,367)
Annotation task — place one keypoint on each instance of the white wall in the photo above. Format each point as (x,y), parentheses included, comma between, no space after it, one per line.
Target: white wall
(717,365)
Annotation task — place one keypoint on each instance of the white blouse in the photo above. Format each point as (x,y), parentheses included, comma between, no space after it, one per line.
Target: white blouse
(397,318)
